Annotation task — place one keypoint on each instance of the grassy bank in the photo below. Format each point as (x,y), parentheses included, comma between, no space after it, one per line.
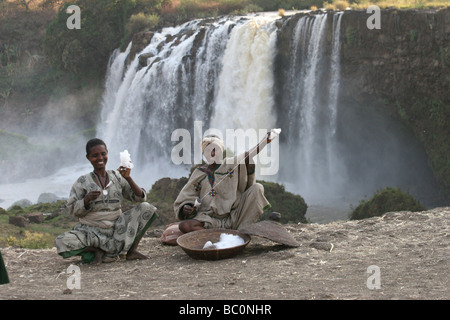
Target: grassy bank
(35,235)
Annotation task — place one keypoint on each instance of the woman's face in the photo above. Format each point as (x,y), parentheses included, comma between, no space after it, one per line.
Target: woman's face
(98,156)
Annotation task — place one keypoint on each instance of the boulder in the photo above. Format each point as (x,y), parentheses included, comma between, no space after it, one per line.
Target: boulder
(22,203)
(19,221)
(48,198)
(139,41)
(35,217)
(143,58)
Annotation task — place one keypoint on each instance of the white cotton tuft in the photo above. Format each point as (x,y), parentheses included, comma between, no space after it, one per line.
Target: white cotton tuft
(209,245)
(274,133)
(226,241)
(125,159)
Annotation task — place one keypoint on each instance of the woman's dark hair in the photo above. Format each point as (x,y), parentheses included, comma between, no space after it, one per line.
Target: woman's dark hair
(94,142)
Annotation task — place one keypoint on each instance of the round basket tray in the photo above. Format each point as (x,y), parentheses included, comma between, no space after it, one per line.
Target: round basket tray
(192,243)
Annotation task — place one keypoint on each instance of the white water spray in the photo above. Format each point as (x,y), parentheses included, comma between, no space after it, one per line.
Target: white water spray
(245,97)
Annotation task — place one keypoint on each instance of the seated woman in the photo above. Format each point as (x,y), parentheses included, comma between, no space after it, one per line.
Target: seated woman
(3,273)
(104,232)
(225,188)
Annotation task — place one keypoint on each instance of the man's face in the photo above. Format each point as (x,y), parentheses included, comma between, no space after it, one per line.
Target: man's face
(210,154)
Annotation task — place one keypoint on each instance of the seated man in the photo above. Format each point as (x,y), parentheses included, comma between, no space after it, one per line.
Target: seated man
(223,193)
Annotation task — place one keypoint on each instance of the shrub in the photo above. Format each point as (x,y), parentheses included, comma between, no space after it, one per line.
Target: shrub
(336,5)
(252,8)
(386,200)
(33,240)
(163,194)
(341,4)
(15,210)
(292,207)
(139,22)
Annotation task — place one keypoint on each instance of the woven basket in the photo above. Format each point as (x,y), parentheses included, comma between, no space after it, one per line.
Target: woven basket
(192,243)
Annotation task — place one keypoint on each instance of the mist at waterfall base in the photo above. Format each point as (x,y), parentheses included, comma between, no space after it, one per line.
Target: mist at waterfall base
(54,155)
(333,152)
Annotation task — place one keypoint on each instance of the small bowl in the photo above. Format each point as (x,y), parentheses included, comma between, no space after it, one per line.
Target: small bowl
(192,243)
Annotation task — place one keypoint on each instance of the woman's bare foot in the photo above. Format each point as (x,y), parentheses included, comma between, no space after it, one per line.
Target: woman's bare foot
(98,257)
(134,255)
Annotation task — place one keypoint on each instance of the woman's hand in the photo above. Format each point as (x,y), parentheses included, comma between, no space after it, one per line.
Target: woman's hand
(124,172)
(91,196)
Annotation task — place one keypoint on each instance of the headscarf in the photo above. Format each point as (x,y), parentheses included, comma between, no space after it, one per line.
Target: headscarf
(213,142)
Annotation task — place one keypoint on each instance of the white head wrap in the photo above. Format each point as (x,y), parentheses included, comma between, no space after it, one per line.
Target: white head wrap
(213,142)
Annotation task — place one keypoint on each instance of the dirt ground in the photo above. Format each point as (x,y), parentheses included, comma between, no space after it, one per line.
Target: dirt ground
(331,263)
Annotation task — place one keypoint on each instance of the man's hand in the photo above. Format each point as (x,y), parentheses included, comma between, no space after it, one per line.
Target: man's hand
(187,212)
(268,138)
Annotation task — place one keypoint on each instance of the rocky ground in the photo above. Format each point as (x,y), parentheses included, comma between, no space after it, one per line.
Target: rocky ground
(332,262)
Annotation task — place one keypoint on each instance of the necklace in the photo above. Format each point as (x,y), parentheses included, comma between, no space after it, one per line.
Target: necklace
(104,191)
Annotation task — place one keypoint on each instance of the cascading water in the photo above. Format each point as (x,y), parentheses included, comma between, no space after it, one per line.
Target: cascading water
(245,95)
(313,89)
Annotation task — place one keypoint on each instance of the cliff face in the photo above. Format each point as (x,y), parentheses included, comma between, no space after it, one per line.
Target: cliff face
(400,71)
(403,69)
(408,56)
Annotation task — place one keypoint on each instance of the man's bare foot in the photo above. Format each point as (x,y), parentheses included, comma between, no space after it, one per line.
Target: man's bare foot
(133,255)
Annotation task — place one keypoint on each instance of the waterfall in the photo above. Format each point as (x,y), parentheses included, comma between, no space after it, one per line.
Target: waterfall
(217,73)
(335,70)
(245,95)
(336,170)
(313,89)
